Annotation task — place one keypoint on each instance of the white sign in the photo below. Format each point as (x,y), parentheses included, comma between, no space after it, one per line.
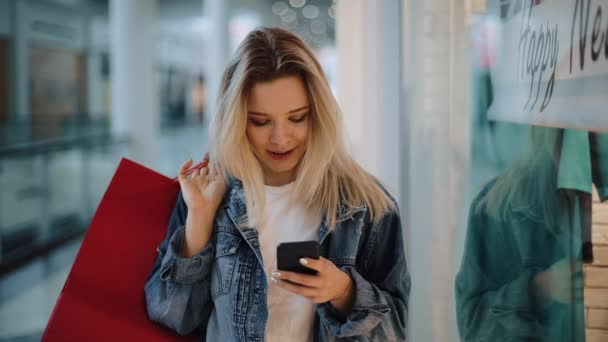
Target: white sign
(551,65)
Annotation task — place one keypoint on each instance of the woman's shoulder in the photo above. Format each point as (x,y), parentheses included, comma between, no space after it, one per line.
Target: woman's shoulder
(364,214)
(392,202)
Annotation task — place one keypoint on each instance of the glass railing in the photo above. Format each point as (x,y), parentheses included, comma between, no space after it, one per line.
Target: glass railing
(51,183)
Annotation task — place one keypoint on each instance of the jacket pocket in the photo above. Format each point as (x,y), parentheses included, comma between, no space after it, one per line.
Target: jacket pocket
(227,245)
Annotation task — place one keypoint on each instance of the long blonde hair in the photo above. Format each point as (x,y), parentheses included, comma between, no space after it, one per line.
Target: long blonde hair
(327,176)
(529,187)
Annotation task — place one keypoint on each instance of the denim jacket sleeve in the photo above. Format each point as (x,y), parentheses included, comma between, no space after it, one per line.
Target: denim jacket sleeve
(382,290)
(178,289)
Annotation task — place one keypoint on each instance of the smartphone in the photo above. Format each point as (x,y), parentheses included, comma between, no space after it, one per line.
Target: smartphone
(289,254)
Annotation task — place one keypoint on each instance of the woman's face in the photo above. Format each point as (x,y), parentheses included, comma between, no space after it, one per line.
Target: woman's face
(278,121)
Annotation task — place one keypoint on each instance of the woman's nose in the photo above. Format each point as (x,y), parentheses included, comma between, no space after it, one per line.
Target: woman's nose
(279,134)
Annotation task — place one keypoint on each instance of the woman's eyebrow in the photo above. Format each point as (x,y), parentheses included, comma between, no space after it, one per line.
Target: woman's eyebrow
(298,109)
(290,112)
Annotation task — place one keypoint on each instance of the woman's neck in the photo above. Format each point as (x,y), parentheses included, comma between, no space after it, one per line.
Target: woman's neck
(278,179)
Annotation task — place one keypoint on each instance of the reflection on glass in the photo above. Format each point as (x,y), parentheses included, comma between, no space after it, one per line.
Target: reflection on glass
(521,273)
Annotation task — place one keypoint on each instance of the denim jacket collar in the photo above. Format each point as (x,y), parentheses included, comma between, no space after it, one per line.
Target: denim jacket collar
(235,205)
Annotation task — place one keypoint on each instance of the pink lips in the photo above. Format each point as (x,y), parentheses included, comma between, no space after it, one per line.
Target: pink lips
(280,156)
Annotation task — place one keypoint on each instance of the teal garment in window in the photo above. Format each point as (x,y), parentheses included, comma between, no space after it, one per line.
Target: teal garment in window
(583,162)
(574,170)
(599,157)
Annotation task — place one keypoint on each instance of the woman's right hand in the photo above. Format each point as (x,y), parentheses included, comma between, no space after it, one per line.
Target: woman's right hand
(203,190)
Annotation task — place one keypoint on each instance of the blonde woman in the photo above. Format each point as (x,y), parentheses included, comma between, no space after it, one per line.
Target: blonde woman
(279,172)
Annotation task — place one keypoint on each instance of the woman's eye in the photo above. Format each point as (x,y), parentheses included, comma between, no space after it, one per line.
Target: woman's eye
(299,118)
(258,122)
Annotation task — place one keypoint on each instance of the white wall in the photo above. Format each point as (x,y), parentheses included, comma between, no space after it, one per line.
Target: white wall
(135,109)
(436,94)
(403,87)
(368,49)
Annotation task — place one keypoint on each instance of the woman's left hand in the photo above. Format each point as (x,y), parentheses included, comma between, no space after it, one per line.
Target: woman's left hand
(330,284)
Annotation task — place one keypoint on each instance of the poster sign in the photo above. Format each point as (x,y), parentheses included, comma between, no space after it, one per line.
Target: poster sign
(551,63)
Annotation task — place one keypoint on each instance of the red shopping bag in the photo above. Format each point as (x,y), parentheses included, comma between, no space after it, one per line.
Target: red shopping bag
(103,296)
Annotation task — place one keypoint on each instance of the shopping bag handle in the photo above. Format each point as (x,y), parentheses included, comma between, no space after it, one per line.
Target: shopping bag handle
(194,168)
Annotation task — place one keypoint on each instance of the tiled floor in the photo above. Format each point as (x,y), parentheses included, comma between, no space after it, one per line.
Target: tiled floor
(27,295)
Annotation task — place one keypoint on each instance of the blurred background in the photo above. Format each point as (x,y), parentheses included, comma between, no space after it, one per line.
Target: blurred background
(84,83)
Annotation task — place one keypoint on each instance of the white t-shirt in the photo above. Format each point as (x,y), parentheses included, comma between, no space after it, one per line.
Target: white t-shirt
(290,317)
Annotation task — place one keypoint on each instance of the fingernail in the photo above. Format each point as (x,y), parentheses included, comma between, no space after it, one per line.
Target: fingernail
(273,280)
(303,261)
(276,275)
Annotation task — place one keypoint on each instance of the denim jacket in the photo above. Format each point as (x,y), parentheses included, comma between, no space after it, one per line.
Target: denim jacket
(223,289)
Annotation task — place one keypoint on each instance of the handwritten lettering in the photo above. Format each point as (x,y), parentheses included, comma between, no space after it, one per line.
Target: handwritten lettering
(599,38)
(537,54)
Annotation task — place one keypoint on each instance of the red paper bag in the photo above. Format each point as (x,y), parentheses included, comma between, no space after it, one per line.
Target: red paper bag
(103,296)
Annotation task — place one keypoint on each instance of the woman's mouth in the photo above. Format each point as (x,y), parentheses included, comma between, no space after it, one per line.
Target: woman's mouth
(280,155)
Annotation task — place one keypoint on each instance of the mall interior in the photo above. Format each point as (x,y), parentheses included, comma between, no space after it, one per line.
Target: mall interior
(483,118)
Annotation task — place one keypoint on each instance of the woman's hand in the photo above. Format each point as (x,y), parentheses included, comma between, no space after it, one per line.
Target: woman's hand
(330,284)
(562,281)
(204,189)
(203,192)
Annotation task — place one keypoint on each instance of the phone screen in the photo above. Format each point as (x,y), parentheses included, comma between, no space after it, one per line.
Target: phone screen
(289,254)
